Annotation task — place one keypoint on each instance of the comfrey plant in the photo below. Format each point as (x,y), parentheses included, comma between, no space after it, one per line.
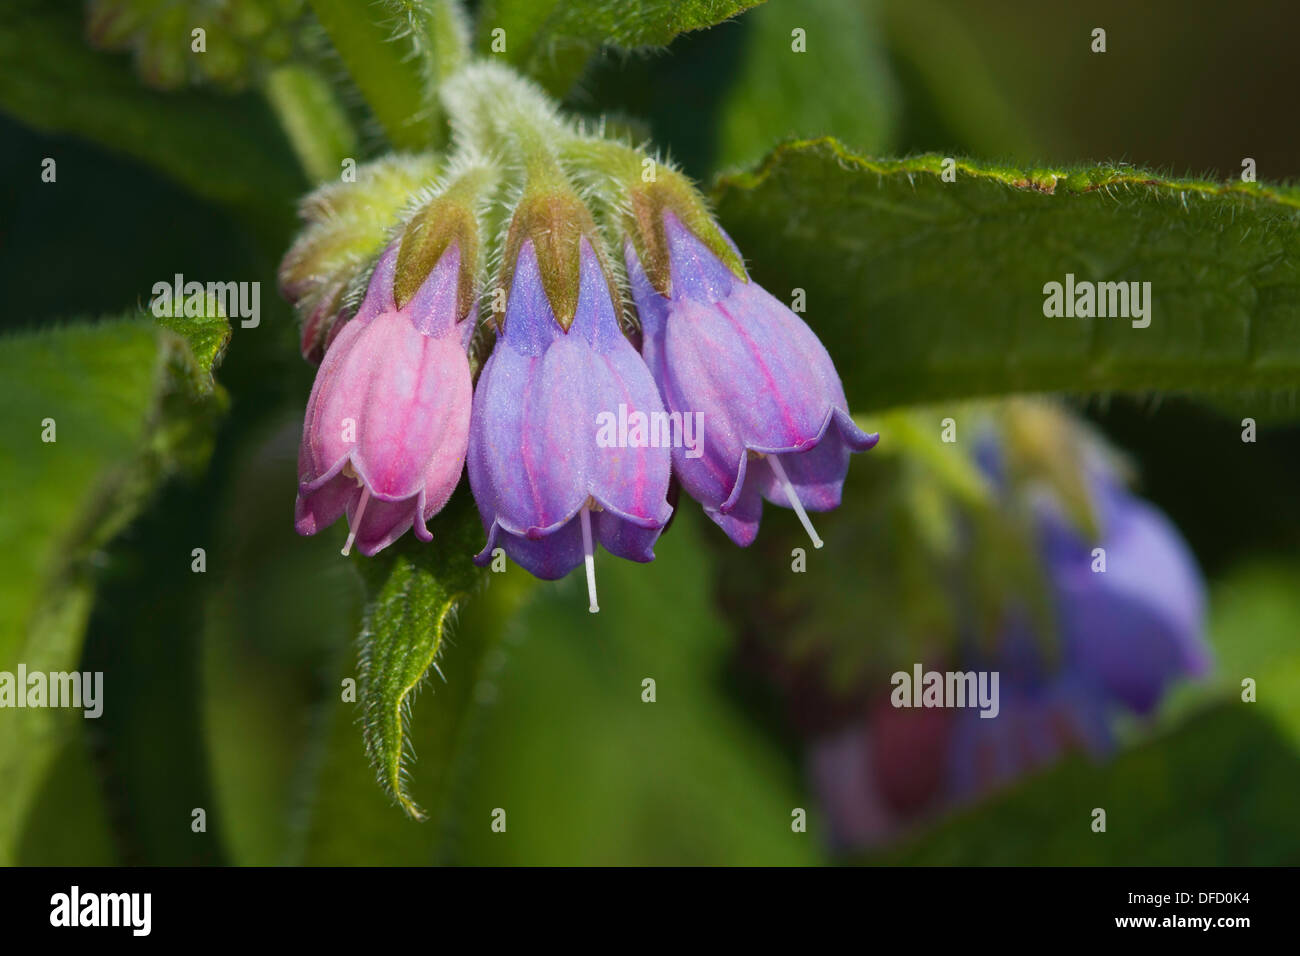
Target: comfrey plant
(533,340)
(546,224)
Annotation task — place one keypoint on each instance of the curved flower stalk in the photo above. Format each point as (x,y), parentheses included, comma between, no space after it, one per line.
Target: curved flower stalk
(387,423)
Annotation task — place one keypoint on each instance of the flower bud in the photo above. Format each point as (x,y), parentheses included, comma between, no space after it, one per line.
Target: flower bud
(387,423)
(1139,624)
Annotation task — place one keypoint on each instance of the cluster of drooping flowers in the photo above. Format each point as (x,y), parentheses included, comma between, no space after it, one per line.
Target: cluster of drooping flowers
(580,416)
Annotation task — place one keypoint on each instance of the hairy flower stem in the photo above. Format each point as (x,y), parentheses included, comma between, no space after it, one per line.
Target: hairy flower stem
(608,165)
(448,33)
(439,35)
(497,112)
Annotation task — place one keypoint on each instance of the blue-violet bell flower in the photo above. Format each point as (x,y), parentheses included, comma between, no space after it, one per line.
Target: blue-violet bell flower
(776,422)
(1126,633)
(547,490)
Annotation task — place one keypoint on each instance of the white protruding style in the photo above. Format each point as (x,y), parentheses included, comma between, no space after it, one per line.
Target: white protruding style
(356,520)
(589,556)
(793,498)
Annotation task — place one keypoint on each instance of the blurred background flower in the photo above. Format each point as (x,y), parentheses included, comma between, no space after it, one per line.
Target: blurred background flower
(1122,619)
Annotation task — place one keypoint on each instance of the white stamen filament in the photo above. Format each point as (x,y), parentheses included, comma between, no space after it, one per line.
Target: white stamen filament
(356,520)
(589,556)
(793,498)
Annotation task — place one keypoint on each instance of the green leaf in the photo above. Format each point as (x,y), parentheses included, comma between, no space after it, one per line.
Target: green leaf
(780,91)
(925,290)
(69,823)
(1165,803)
(412,590)
(224,148)
(349,820)
(126,403)
(552,40)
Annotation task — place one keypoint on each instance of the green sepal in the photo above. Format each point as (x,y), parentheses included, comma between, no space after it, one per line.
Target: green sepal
(647,202)
(450,219)
(555,220)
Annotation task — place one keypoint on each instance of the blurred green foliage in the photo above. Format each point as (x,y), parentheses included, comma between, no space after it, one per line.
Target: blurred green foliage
(54,82)
(97,416)
(588,771)
(1167,802)
(775,95)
